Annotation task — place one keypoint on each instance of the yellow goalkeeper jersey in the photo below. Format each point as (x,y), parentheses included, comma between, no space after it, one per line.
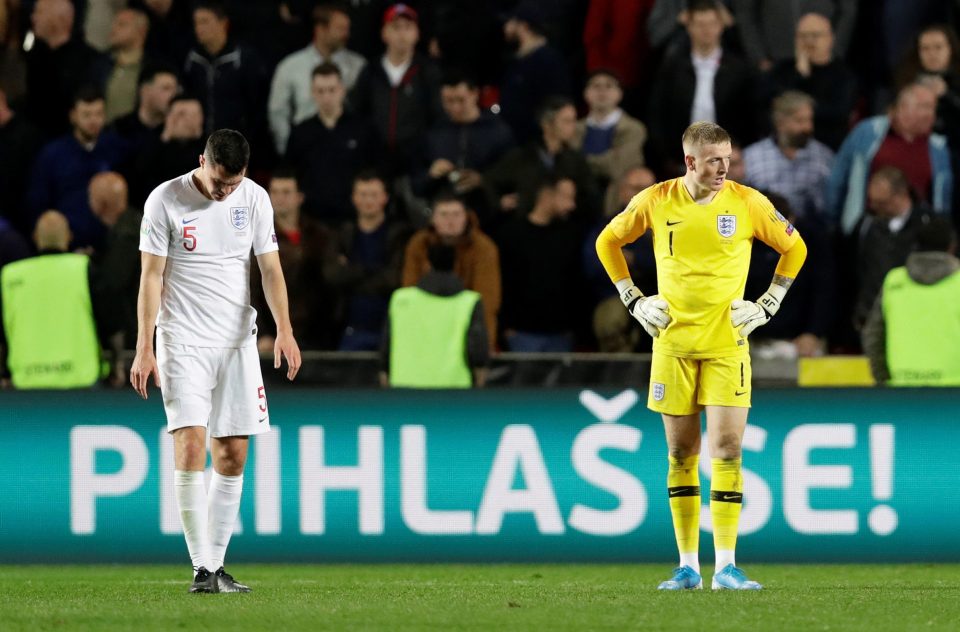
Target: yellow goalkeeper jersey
(702,253)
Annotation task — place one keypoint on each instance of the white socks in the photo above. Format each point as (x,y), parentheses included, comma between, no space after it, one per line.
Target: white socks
(690,559)
(724,558)
(223,505)
(207,519)
(192,500)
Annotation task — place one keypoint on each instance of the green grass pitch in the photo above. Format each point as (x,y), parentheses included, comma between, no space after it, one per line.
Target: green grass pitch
(478,597)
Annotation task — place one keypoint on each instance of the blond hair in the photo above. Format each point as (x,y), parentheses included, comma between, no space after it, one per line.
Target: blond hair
(703,133)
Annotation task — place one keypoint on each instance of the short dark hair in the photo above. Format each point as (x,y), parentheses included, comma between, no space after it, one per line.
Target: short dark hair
(152,69)
(700,6)
(936,235)
(366,175)
(186,96)
(323,13)
(454,76)
(229,149)
(216,7)
(87,93)
(286,172)
(602,72)
(442,257)
(897,179)
(326,69)
(548,180)
(550,106)
(447,195)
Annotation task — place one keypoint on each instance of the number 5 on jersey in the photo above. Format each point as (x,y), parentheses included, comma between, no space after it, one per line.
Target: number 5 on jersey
(189,239)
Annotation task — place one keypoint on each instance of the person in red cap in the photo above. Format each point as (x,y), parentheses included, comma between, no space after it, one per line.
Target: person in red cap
(401,93)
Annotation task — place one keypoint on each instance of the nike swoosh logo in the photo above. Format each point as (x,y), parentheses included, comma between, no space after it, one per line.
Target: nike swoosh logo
(739,393)
(262,420)
(187,221)
(669,223)
(732,496)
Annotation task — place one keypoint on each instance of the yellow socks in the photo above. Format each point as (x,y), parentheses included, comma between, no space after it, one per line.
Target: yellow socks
(726,499)
(683,486)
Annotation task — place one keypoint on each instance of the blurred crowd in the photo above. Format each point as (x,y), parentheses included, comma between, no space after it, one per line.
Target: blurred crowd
(509,130)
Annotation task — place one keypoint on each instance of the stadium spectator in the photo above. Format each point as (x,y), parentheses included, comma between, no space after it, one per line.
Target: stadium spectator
(540,254)
(802,323)
(19,143)
(611,139)
(48,317)
(934,59)
(791,162)
(362,264)
(477,262)
(65,165)
(156,88)
(128,34)
(157,85)
(816,71)
(902,139)
(115,269)
(401,93)
(913,330)
(463,144)
(615,39)
(329,148)
(703,83)
(302,241)
(516,178)
(537,72)
(180,142)
(229,79)
(58,64)
(884,237)
(434,335)
(170,35)
(666,26)
(767,28)
(291,92)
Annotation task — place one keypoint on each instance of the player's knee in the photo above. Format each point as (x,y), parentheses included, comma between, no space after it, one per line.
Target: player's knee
(229,464)
(682,451)
(726,446)
(191,455)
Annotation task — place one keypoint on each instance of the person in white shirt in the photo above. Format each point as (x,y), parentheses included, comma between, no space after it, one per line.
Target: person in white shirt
(195,238)
(290,98)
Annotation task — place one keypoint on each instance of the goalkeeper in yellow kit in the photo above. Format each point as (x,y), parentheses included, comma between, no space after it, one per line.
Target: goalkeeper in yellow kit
(703,228)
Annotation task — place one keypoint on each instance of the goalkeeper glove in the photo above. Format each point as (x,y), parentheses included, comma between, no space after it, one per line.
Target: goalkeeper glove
(650,311)
(748,315)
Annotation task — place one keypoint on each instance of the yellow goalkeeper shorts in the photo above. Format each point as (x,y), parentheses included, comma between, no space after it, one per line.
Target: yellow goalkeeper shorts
(683,386)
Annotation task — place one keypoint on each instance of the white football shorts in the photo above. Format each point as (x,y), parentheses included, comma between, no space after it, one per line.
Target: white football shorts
(218,388)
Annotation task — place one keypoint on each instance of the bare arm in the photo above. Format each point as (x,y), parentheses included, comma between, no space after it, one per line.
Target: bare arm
(275,291)
(148,304)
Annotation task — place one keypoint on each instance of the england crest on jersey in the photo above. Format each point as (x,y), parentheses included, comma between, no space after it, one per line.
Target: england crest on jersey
(727,225)
(240,216)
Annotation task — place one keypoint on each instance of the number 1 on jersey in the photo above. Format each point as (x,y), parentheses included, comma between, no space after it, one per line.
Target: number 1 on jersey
(189,239)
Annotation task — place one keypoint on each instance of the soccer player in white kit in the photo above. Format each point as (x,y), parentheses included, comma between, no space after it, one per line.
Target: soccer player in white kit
(195,241)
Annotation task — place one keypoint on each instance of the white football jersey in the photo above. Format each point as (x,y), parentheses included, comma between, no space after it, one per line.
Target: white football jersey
(205,300)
